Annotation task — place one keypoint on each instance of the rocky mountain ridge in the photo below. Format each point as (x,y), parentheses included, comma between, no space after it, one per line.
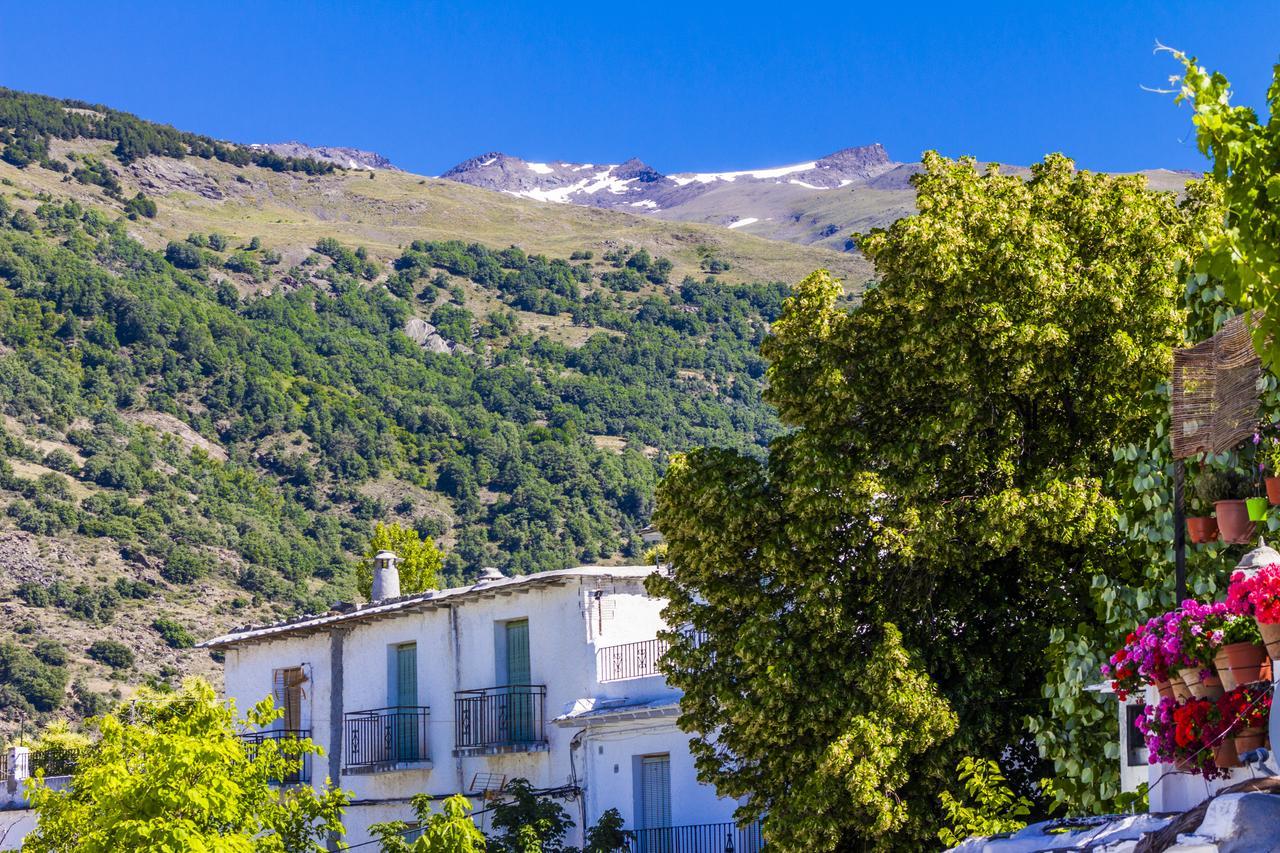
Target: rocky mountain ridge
(818,202)
(347,158)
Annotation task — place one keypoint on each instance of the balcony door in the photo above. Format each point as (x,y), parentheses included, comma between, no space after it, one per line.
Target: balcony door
(519,711)
(403,729)
(286,690)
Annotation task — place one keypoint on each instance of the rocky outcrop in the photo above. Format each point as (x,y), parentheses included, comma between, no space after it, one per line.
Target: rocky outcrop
(347,158)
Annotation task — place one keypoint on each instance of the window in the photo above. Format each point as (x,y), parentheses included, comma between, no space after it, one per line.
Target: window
(286,690)
(653,807)
(1137,756)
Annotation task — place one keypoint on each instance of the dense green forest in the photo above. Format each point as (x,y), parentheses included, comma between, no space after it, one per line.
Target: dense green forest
(315,392)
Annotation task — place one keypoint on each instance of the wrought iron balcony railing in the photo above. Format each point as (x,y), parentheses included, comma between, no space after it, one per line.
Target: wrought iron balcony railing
(699,838)
(630,660)
(385,737)
(500,719)
(300,762)
(634,660)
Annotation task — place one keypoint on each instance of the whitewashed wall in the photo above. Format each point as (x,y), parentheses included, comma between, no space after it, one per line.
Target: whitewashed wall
(568,622)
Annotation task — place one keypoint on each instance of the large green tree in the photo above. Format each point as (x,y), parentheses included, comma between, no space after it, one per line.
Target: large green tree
(173,775)
(938,507)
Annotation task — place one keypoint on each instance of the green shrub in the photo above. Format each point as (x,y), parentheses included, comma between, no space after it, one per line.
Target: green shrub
(173,633)
(30,682)
(112,653)
(50,652)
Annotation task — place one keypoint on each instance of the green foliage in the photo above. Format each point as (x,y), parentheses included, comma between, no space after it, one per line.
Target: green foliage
(1244,256)
(37,118)
(185,749)
(988,807)
(524,822)
(113,653)
(28,684)
(140,205)
(608,834)
(947,472)
(173,633)
(420,562)
(450,830)
(50,652)
(183,255)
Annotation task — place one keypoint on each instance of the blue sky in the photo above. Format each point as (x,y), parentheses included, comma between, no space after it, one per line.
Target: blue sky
(684,85)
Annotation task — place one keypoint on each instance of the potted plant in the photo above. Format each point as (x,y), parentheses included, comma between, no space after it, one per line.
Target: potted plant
(1232,512)
(1240,659)
(1268,456)
(1199,638)
(1202,527)
(1246,712)
(1258,595)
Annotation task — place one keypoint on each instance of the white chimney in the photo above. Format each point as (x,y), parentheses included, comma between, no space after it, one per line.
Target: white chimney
(386,577)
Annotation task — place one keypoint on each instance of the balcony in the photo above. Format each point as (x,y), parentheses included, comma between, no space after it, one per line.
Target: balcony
(634,660)
(386,739)
(630,660)
(699,838)
(500,719)
(287,739)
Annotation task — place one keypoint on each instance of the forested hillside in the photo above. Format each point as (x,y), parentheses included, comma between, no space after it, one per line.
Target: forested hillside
(205,433)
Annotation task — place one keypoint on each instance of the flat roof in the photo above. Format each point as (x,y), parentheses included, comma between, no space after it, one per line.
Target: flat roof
(417,601)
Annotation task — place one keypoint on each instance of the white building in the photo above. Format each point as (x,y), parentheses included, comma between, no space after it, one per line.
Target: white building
(550,677)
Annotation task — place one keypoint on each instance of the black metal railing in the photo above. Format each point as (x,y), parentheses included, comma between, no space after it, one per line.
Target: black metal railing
(385,736)
(630,660)
(635,660)
(699,838)
(500,717)
(299,761)
(53,761)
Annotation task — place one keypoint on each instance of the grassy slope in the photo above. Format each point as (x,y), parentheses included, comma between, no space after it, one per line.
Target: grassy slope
(290,211)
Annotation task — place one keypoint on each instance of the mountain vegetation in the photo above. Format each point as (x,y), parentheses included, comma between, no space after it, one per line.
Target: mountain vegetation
(216,424)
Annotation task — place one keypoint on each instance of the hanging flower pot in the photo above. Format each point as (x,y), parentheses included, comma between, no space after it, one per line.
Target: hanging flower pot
(1225,755)
(1240,663)
(1181,691)
(1202,529)
(1257,508)
(1247,739)
(1273,490)
(1164,688)
(1271,638)
(1233,521)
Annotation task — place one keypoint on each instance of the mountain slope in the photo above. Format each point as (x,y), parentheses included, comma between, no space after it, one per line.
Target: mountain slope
(219,375)
(819,203)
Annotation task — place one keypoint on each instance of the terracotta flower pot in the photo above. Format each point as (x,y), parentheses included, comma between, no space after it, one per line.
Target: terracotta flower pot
(1180,690)
(1201,686)
(1257,508)
(1233,521)
(1240,663)
(1270,638)
(1273,489)
(1202,529)
(1247,739)
(1225,755)
(1164,688)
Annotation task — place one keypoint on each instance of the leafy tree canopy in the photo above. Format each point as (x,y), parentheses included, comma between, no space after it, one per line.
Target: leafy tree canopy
(174,774)
(951,438)
(420,561)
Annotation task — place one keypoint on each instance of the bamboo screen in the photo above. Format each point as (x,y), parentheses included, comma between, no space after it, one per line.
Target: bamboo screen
(1215,392)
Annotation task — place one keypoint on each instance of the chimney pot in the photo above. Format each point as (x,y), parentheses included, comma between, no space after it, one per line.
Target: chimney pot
(386,577)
